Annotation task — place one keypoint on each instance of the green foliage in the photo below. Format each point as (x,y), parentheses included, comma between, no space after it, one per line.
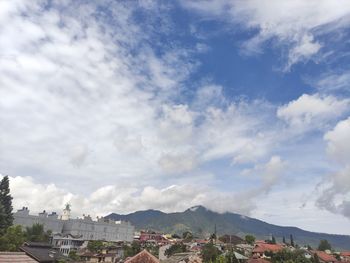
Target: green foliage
(132,250)
(230,257)
(13,238)
(273,241)
(36,233)
(73,255)
(221,259)
(291,240)
(250,239)
(95,246)
(316,259)
(153,249)
(209,252)
(188,236)
(6,216)
(324,245)
(176,248)
(296,256)
(284,240)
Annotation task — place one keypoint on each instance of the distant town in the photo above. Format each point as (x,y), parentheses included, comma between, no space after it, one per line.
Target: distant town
(53,237)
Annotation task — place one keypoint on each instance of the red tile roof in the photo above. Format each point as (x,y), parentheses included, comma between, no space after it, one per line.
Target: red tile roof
(345,254)
(262,247)
(143,257)
(325,257)
(16,257)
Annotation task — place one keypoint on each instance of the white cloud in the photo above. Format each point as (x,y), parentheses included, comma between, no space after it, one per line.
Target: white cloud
(335,190)
(270,173)
(333,82)
(291,23)
(312,111)
(339,142)
(112,198)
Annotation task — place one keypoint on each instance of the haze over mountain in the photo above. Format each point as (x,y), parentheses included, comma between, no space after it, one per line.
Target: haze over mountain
(201,221)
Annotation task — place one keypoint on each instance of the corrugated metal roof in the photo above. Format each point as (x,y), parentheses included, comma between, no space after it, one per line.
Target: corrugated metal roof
(16,257)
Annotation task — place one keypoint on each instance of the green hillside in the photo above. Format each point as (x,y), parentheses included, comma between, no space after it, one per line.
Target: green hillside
(202,221)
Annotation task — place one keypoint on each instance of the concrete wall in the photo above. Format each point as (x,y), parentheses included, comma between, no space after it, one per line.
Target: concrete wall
(89,229)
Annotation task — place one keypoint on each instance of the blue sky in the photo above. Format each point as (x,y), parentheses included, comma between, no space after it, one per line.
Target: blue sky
(240,106)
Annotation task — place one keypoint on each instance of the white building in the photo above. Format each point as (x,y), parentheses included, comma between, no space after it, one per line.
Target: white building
(67,243)
(49,221)
(86,228)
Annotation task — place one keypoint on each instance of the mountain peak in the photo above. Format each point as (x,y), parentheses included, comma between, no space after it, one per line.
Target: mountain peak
(197,208)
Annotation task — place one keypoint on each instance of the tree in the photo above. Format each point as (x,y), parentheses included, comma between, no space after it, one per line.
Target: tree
(324,245)
(73,255)
(316,259)
(175,236)
(188,236)
(132,250)
(250,239)
(285,255)
(209,252)
(6,216)
(230,257)
(176,248)
(95,246)
(13,238)
(284,240)
(273,240)
(291,240)
(36,233)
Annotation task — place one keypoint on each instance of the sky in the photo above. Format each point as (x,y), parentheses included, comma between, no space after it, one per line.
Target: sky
(119,106)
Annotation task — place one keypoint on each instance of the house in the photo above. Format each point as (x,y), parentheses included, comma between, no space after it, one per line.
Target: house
(263,249)
(143,257)
(324,257)
(16,257)
(98,257)
(257,260)
(41,252)
(186,257)
(153,237)
(66,243)
(241,258)
(246,249)
(345,256)
(231,239)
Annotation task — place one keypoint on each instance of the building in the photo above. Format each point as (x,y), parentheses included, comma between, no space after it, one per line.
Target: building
(41,252)
(98,257)
(86,228)
(66,243)
(152,237)
(16,257)
(49,221)
(263,249)
(102,229)
(324,257)
(345,256)
(143,257)
(186,257)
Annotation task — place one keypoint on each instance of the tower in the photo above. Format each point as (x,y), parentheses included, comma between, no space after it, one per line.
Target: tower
(66,212)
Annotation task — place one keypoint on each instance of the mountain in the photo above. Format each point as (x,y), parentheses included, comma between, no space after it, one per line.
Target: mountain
(202,221)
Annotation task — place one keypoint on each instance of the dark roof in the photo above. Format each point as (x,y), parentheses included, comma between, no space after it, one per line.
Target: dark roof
(41,252)
(16,257)
(232,239)
(37,244)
